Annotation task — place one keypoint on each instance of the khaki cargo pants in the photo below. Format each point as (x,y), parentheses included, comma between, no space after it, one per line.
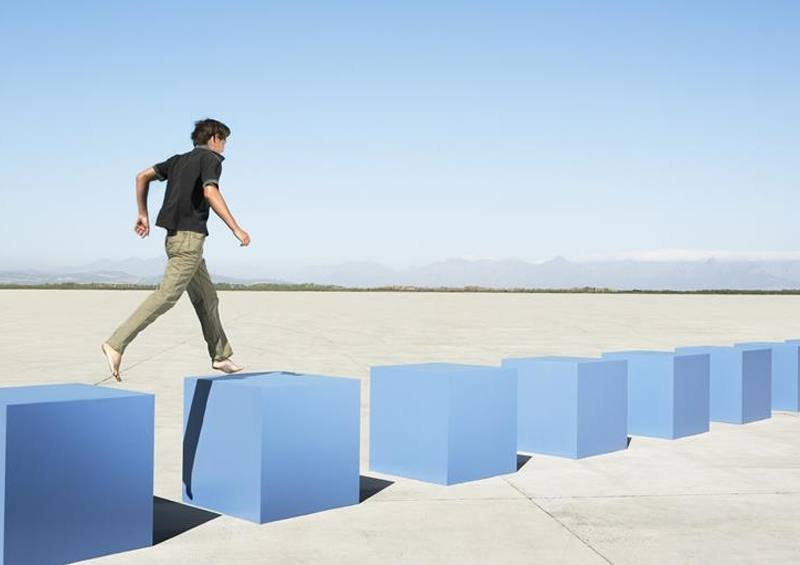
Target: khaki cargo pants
(186,270)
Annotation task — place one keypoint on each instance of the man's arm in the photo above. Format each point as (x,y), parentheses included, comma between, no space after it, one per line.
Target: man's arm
(143,181)
(217,203)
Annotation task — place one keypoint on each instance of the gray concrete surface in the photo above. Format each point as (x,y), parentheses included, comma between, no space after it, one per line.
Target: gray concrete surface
(729,496)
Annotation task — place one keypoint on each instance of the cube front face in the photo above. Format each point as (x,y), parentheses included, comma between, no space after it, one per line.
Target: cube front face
(483,425)
(571,406)
(222,447)
(547,418)
(78,475)
(269,446)
(651,392)
(786,378)
(441,422)
(409,423)
(785,373)
(311,447)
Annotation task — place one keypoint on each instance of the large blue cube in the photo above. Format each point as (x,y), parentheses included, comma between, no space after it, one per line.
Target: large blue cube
(668,394)
(571,406)
(741,389)
(785,372)
(268,446)
(443,422)
(77,473)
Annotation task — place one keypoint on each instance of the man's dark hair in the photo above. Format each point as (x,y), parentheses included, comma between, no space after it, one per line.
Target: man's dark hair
(208,128)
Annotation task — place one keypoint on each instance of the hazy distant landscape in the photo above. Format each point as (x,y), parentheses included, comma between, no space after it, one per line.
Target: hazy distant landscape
(558,273)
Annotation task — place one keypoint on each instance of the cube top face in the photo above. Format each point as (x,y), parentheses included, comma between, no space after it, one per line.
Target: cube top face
(638,353)
(691,356)
(735,356)
(579,368)
(666,360)
(652,356)
(432,369)
(649,363)
(793,341)
(762,344)
(60,393)
(704,348)
(560,364)
(552,359)
(274,380)
(719,352)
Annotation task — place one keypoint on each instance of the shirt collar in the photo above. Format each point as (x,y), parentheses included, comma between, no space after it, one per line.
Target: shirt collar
(205,146)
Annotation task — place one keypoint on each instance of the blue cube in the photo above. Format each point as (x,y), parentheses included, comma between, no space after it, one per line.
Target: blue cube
(785,372)
(269,446)
(668,394)
(444,423)
(740,382)
(77,472)
(571,406)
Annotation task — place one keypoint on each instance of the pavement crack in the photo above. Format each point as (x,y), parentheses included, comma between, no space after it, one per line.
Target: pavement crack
(669,495)
(563,525)
(466,498)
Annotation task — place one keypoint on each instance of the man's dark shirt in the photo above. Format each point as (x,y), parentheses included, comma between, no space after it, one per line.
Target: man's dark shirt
(185,206)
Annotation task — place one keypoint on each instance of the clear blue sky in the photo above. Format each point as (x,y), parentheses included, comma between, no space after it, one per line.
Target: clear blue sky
(406,132)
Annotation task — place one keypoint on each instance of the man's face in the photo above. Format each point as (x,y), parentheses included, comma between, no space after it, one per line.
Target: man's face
(217,143)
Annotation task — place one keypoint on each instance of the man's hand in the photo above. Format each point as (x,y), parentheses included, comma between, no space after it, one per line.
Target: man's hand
(242,236)
(143,179)
(142,226)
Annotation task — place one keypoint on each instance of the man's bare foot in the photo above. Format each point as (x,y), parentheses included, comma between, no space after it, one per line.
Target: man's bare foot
(114,359)
(226,365)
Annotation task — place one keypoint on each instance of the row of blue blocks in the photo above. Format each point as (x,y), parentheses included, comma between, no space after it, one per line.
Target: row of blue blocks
(567,406)
(77,463)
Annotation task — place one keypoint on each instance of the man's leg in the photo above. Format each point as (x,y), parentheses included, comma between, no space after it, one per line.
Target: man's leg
(206,304)
(184,252)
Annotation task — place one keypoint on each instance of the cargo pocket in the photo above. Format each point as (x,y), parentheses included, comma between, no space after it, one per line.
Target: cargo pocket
(177,243)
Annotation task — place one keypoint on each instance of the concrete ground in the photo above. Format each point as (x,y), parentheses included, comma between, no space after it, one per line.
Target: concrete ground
(728,496)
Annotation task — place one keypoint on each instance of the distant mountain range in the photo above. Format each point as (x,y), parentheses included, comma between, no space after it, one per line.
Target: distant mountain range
(556,273)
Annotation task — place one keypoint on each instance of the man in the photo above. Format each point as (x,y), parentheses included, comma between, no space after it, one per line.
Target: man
(192,188)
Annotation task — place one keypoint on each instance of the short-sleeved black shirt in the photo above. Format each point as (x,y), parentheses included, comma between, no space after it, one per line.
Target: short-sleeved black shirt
(185,206)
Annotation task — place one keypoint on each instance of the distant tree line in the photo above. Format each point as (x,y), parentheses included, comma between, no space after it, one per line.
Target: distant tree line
(309,287)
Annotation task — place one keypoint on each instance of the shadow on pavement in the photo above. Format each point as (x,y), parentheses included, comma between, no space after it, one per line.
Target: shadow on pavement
(172,519)
(522,460)
(370,486)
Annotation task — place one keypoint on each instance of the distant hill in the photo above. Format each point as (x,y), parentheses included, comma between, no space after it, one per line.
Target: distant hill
(129,271)
(561,273)
(499,274)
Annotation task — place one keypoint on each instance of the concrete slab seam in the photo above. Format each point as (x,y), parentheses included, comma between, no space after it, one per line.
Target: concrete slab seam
(563,525)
